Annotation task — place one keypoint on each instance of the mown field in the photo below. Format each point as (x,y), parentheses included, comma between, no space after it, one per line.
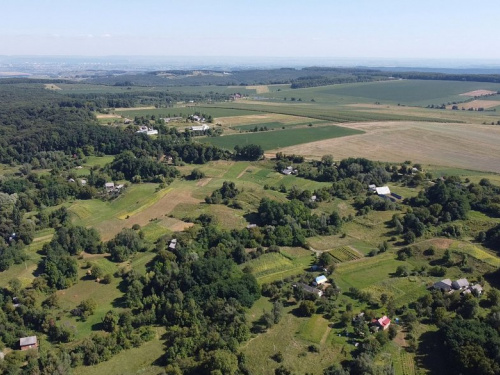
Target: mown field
(475,147)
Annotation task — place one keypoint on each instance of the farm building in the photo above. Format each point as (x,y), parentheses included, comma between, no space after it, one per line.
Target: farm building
(383,190)
(309,289)
(384,322)
(320,280)
(444,285)
(110,186)
(460,284)
(373,188)
(146,130)
(250,226)
(27,343)
(200,128)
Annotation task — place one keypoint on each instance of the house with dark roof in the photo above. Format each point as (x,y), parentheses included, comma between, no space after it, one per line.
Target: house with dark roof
(309,289)
(444,285)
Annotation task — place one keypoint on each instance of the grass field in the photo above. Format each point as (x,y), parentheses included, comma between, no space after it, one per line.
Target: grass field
(133,361)
(138,204)
(283,138)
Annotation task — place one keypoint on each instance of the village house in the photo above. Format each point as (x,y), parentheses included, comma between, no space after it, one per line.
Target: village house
(384,322)
(289,170)
(460,284)
(110,186)
(444,285)
(27,343)
(147,131)
(383,190)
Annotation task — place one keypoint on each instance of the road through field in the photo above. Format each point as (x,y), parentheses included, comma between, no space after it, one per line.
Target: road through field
(466,146)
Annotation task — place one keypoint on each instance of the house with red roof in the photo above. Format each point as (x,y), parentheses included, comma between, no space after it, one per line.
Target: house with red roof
(384,322)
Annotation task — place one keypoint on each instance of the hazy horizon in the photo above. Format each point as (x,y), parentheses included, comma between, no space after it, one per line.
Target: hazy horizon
(385,29)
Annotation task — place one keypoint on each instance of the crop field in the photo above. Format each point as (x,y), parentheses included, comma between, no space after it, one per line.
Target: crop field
(476,252)
(409,92)
(474,147)
(183,111)
(344,254)
(276,125)
(333,113)
(283,138)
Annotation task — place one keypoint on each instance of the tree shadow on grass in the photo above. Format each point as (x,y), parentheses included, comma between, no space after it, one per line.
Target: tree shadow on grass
(431,354)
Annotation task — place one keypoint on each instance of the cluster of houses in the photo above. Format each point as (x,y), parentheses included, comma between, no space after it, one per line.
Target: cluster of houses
(318,281)
(462,285)
(384,192)
(82,181)
(289,171)
(147,130)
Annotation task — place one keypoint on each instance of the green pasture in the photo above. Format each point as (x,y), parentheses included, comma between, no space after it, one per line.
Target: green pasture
(94,212)
(275,266)
(291,337)
(275,125)
(132,361)
(282,138)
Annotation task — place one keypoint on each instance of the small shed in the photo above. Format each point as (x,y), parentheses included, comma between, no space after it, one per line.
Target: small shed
(320,280)
(27,343)
(173,244)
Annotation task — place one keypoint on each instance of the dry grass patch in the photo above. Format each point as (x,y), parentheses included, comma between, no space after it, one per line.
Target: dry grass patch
(50,86)
(474,147)
(478,93)
(261,89)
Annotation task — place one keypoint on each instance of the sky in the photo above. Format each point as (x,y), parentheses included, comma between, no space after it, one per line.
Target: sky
(402,29)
